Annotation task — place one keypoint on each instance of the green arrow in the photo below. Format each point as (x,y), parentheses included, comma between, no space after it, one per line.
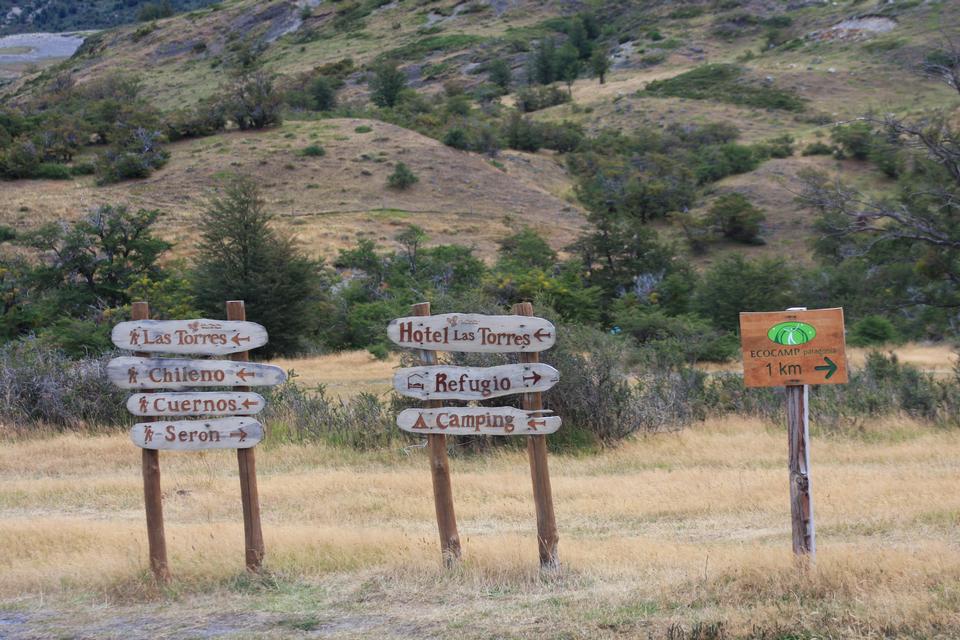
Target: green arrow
(830,367)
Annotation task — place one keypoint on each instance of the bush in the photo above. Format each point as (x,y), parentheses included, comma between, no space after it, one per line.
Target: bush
(724,83)
(387,84)
(402,178)
(736,218)
(522,134)
(563,137)
(818,149)
(456,138)
(52,171)
(542,97)
(854,140)
(253,103)
(41,386)
(872,330)
(323,92)
(314,151)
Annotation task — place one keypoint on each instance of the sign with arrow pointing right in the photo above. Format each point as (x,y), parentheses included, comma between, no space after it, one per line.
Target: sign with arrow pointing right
(198,435)
(473,383)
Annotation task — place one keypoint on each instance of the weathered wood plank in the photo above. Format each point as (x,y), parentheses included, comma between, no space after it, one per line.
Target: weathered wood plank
(466,421)
(201,403)
(473,383)
(179,373)
(473,333)
(197,435)
(200,336)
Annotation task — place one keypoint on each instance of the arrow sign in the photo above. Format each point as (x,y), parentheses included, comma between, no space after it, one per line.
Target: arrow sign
(473,333)
(468,421)
(179,373)
(200,336)
(473,383)
(195,404)
(197,435)
(830,367)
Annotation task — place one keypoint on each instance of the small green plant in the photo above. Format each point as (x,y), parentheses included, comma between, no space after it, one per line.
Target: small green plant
(402,178)
(314,151)
(818,149)
(363,129)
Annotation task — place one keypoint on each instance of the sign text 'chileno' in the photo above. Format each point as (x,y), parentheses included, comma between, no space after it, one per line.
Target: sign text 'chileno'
(179,373)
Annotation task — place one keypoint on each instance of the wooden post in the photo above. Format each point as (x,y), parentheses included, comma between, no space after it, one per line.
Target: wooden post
(798,433)
(547,536)
(801,504)
(440,470)
(152,495)
(246,459)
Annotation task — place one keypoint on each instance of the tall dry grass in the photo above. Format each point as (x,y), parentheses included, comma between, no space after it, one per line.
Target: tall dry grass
(673,529)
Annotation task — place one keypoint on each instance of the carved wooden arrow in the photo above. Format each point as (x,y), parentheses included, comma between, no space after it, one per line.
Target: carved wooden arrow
(473,383)
(197,435)
(472,332)
(203,403)
(491,421)
(179,373)
(200,336)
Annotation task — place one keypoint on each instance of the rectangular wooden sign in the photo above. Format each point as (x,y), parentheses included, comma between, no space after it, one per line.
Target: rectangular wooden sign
(201,336)
(197,435)
(793,348)
(468,421)
(201,403)
(473,333)
(473,383)
(178,373)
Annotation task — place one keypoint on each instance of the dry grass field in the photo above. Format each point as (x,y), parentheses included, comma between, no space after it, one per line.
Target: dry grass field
(668,531)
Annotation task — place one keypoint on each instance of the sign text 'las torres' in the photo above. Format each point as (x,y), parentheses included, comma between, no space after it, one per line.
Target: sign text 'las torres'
(473,333)
(213,337)
(198,435)
(467,421)
(473,383)
(180,373)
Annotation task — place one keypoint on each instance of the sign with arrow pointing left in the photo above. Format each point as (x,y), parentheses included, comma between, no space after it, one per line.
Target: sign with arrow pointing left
(470,332)
(200,403)
(179,373)
(200,337)
(470,421)
(473,383)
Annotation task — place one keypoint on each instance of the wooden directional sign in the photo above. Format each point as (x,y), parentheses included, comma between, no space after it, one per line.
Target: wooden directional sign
(205,337)
(793,348)
(473,333)
(473,383)
(197,435)
(178,373)
(195,404)
(467,421)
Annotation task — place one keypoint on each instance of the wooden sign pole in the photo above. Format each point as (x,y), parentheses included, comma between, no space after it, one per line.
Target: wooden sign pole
(440,470)
(547,536)
(152,495)
(246,458)
(798,432)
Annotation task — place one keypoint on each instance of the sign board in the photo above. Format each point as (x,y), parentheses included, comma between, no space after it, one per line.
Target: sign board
(195,404)
(783,348)
(467,421)
(473,333)
(197,435)
(206,337)
(473,383)
(178,373)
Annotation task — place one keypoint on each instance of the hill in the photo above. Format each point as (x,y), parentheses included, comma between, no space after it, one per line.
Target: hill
(27,16)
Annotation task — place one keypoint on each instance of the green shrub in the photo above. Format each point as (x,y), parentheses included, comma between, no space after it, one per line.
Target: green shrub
(52,171)
(363,129)
(402,178)
(83,169)
(522,134)
(872,330)
(540,97)
(854,140)
(456,138)
(818,149)
(314,151)
(736,218)
(724,82)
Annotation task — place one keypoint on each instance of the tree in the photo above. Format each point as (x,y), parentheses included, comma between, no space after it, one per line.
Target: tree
(411,239)
(568,66)
(253,102)
(387,84)
(323,93)
(579,38)
(736,218)
(944,63)
(241,256)
(402,178)
(501,74)
(600,63)
(543,65)
(735,284)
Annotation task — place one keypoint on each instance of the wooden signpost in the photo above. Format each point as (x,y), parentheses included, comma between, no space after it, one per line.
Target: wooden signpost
(473,383)
(195,404)
(210,337)
(473,333)
(234,431)
(198,435)
(469,421)
(795,348)
(520,333)
(180,373)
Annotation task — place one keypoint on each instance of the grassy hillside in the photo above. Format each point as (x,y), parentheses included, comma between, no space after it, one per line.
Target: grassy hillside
(26,16)
(839,70)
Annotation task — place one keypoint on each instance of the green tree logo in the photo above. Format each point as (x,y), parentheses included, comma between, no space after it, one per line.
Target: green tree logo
(791,333)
